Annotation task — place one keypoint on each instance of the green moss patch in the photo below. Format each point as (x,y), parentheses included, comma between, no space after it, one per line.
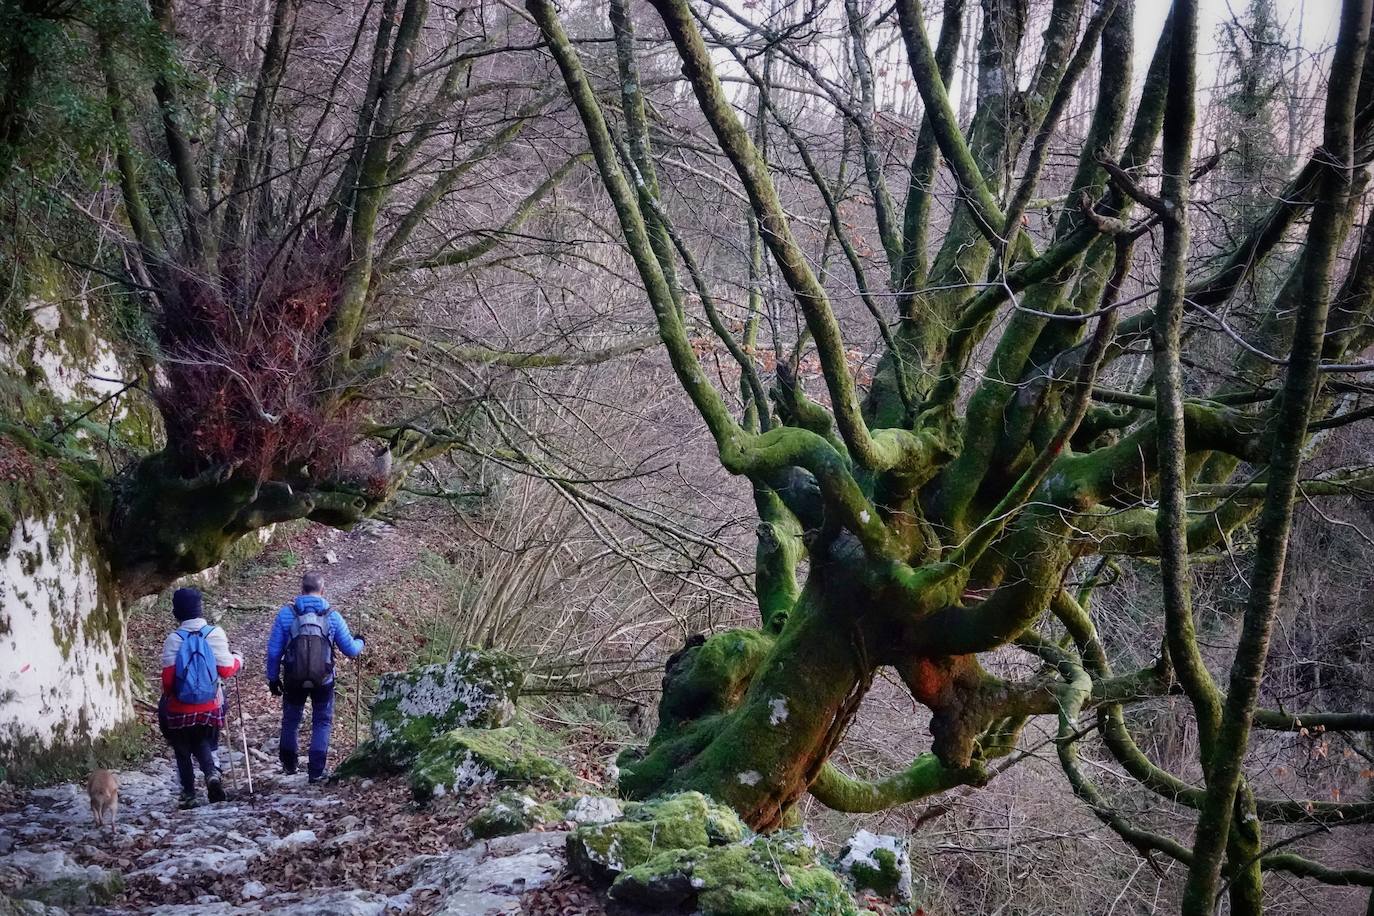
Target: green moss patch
(510,813)
(71,759)
(687,820)
(710,677)
(463,759)
(879,863)
(768,876)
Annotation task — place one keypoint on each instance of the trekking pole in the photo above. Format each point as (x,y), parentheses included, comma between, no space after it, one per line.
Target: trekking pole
(233,772)
(243,736)
(357,701)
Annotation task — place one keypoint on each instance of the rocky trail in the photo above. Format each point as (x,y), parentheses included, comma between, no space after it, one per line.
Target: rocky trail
(352,850)
(359,846)
(456,803)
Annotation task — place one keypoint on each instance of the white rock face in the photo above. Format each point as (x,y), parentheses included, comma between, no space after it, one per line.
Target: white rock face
(72,376)
(488,878)
(51,686)
(62,671)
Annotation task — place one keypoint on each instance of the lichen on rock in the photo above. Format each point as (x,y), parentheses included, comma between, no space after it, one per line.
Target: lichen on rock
(686,820)
(53,878)
(767,876)
(591,809)
(477,689)
(462,759)
(510,813)
(877,862)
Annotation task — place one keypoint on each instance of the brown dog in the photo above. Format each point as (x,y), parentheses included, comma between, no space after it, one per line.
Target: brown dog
(104,790)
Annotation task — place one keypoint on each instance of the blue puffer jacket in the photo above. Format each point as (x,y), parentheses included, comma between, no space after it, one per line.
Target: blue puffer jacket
(339,634)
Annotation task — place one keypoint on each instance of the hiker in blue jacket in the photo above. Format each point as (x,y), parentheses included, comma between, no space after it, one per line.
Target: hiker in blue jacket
(300,666)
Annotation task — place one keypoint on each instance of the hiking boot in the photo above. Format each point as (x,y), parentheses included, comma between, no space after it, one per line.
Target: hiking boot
(214,789)
(186,800)
(288,767)
(316,780)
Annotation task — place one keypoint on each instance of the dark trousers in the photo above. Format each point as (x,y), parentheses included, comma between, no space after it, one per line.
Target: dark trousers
(321,723)
(195,744)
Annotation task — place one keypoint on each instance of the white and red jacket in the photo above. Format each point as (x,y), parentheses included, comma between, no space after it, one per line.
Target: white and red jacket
(226,663)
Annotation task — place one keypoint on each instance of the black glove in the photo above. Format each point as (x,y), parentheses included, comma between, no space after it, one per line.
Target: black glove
(274,685)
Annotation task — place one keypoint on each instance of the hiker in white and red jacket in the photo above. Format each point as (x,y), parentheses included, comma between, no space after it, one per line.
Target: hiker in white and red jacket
(195,658)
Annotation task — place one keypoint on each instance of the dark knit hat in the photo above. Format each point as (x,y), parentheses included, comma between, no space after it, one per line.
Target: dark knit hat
(186,603)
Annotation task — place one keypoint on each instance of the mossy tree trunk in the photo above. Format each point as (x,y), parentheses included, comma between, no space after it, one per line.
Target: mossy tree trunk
(941,512)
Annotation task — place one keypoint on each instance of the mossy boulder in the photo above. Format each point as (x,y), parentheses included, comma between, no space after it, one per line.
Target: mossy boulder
(509,813)
(879,863)
(56,880)
(12,907)
(774,875)
(462,759)
(686,820)
(476,689)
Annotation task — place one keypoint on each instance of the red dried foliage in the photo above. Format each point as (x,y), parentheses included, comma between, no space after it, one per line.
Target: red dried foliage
(244,359)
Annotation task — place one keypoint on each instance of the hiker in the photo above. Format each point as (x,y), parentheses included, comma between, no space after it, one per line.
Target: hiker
(300,665)
(195,658)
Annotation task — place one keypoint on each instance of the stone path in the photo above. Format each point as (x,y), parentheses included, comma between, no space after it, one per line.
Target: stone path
(49,848)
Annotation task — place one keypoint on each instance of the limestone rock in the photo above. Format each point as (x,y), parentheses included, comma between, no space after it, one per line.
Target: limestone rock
(338,903)
(768,876)
(486,879)
(201,909)
(296,840)
(878,862)
(591,809)
(196,862)
(477,689)
(463,759)
(687,820)
(511,812)
(54,879)
(12,907)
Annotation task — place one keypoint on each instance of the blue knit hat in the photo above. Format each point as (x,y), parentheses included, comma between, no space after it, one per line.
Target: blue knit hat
(186,603)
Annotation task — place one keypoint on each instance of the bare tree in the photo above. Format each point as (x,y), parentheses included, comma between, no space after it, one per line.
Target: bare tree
(940,511)
(279,184)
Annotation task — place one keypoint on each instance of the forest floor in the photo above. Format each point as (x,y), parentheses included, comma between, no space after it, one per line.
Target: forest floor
(353,847)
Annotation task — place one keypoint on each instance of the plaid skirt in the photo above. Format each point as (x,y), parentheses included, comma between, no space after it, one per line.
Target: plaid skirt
(171,721)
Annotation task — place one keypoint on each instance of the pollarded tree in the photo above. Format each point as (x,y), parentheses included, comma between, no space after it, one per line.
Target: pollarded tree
(276,222)
(939,512)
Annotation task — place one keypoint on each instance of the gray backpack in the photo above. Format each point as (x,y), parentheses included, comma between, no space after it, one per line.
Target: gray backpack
(309,658)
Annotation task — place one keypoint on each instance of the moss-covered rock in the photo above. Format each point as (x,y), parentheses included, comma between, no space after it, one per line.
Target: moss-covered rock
(510,813)
(687,820)
(462,759)
(879,863)
(12,907)
(476,689)
(54,879)
(768,876)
